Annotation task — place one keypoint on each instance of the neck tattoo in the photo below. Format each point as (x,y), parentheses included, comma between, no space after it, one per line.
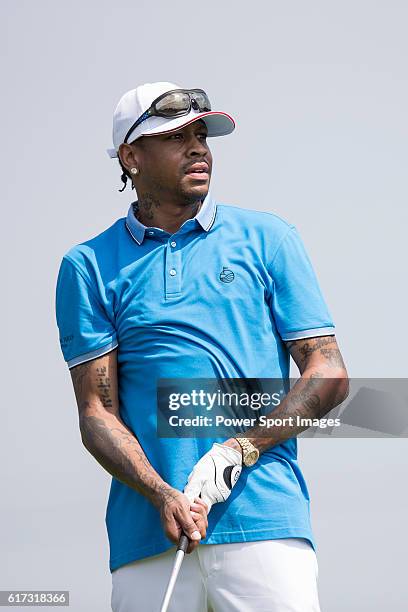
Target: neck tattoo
(149,202)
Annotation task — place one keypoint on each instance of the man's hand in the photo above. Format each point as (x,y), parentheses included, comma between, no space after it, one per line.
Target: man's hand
(180,515)
(214,475)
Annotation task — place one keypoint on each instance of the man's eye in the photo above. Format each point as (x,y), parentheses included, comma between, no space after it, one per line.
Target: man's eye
(176,136)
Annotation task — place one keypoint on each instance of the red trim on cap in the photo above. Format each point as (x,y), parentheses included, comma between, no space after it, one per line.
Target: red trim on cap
(191,121)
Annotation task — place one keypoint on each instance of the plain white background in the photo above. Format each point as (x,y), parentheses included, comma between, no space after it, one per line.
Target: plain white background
(319,94)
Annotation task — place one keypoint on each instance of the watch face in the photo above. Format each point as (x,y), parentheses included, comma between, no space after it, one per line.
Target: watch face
(251,458)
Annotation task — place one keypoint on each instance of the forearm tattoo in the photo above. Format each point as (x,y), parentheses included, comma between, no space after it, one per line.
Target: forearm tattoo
(312,396)
(108,439)
(119,452)
(304,400)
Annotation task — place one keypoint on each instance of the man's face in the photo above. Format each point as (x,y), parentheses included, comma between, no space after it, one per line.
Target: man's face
(167,163)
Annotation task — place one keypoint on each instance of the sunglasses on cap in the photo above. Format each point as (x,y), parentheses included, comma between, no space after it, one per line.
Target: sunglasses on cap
(174,103)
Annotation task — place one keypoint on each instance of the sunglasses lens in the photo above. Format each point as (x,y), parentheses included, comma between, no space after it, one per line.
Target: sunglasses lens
(173,105)
(202,100)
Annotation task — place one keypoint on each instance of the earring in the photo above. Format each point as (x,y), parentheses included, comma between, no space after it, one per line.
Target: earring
(134,170)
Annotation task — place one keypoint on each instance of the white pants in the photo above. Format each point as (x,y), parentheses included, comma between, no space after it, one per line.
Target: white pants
(269,576)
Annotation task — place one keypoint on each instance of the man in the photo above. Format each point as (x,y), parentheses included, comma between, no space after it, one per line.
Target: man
(185,287)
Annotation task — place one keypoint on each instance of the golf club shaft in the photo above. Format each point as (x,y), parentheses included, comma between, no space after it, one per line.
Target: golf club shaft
(181,549)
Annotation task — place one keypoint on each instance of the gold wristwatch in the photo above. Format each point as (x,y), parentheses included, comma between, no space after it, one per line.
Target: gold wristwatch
(250,454)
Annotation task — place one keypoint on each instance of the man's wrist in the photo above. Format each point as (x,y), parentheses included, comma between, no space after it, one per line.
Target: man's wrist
(249,451)
(233,443)
(160,492)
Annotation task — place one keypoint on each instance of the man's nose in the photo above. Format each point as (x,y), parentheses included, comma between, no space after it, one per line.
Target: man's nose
(196,146)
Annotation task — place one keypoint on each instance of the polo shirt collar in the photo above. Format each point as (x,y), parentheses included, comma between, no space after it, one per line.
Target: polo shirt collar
(205,217)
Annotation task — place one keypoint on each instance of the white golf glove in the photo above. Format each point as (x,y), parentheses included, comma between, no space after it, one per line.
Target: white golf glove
(214,475)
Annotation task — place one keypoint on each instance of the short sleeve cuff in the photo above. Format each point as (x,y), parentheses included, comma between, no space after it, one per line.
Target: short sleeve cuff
(309,333)
(93,354)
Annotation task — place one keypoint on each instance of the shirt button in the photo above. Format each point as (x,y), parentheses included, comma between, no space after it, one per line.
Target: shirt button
(173,244)
(173,272)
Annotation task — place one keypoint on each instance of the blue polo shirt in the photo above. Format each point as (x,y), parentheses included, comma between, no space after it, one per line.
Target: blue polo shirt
(216,299)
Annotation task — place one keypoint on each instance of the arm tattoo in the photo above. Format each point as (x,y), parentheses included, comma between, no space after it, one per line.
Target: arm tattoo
(117,449)
(107,438)
(333,357)
(303,401)
(310,398)
(104,386)
(302,350)
(314,394)
(78,375)
(307,347)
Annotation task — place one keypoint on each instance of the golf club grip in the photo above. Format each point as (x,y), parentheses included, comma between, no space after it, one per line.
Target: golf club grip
(183,543)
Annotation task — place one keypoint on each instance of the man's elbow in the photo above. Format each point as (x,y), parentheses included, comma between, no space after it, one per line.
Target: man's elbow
(87,431)
(85,438)
(341,384)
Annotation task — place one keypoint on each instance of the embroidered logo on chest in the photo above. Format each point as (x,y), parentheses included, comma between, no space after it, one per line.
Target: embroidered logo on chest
(227,275)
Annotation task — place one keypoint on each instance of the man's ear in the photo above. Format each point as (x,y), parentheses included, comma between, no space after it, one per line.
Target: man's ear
(129,156)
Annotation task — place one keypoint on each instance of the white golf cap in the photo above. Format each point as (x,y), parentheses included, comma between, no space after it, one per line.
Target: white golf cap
(136,101)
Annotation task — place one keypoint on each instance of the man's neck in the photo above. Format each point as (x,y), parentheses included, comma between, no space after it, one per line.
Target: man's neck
(150,211)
